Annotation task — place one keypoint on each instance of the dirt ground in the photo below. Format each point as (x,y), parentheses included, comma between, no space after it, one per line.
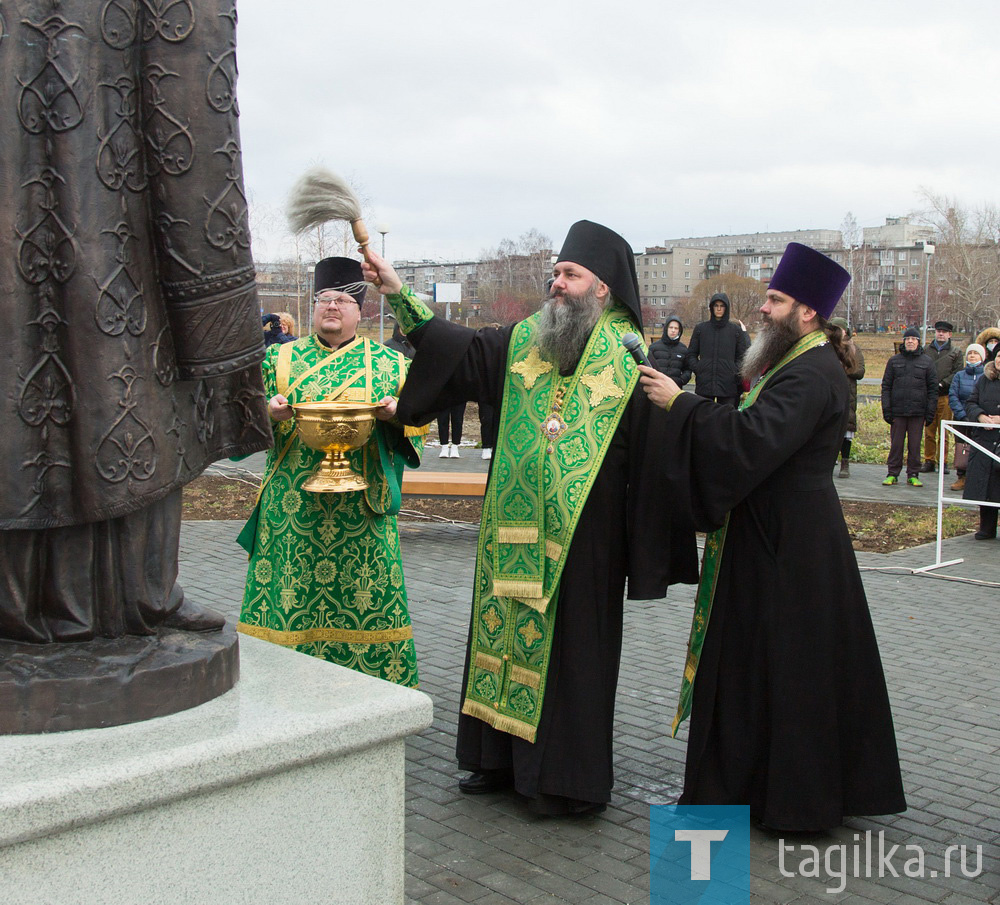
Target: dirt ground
(874,527)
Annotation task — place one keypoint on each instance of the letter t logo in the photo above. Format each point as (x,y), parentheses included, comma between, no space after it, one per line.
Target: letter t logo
(701,849)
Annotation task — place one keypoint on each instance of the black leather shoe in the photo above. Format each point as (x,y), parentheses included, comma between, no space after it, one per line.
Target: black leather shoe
(486,781)
(928,468)
(982,535)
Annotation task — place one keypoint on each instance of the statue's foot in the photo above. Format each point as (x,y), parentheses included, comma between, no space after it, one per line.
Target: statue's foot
(190,617)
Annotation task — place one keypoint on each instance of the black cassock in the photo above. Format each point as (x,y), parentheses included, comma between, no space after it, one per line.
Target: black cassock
(790,712)
(625,531)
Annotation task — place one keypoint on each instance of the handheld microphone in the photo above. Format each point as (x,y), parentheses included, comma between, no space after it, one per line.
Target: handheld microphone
(634,345)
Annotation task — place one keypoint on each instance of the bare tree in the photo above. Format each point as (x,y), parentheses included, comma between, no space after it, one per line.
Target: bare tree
(516,271)
(966,264)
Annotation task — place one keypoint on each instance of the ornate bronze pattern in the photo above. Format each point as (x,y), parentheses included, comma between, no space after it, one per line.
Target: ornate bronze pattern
(220,87)
(172,20)
(248,399)
(169,141)
(121,305)
(165,222)
(176,429)
(47,392)
(227,225)
(164,361)
(48,249)
(128,449)
(120,23)
(48,101)
(119,161)
(204,412)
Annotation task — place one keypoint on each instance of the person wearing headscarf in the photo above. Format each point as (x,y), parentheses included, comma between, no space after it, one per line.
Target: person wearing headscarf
(325,575)
(572,511)
(983,474)
(961,388)
(854,367)
(783,679)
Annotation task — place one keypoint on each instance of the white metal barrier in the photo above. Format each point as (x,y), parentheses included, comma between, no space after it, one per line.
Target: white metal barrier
(946,428)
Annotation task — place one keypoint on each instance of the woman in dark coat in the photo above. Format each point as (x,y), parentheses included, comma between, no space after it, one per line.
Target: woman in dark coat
(982,479)
(668,354)
(855,369)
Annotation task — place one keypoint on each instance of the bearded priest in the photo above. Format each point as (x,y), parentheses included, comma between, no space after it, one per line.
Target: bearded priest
(573,509)
(790,710)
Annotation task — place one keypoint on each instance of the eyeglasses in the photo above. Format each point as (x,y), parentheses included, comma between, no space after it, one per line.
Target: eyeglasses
(326,301)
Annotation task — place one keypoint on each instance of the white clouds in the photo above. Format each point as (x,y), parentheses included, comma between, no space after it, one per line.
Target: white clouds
(469,122)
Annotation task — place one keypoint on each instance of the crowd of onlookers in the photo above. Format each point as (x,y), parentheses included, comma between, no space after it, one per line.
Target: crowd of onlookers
(922,386)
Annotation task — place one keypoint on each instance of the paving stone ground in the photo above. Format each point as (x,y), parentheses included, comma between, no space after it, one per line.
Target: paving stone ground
(938,635)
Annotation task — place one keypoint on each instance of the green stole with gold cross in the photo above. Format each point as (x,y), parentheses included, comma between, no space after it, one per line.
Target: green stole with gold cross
(553,436)
(715,542)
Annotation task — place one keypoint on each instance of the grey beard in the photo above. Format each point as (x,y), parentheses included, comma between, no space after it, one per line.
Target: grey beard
(773,340)
(563,330)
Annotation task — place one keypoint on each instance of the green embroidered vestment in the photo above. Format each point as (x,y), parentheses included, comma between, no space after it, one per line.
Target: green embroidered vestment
(554,433)
(326,576)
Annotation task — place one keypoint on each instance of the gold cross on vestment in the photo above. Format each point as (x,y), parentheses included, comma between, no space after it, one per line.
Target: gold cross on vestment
(602,386)
(531,368)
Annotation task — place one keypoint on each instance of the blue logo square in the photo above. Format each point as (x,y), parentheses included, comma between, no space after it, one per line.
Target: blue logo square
(699,854)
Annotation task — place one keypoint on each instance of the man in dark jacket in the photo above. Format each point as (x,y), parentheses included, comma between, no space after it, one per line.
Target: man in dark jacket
(948,361)
(716,350)
(669,355)
(909,400)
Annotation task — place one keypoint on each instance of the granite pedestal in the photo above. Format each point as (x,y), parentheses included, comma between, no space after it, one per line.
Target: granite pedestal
(287,789)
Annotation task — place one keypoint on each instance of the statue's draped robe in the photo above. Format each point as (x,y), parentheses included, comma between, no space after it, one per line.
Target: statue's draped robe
(790,711)
(130,309)
(326,576)
(625,532)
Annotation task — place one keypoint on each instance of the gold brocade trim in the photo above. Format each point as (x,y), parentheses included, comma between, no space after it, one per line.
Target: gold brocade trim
(553,550)
(539,604)
(308,636)
(690,667)
(415,431)
(485,661)
(524,676)
(516,587)
(499,721)
(517,534)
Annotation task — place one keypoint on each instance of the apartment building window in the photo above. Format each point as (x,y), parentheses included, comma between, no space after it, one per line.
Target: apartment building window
(914,262)
(687,288)
(663,288)
(901,271)
(901,285)
(645,274)
(656,260)
(687,260)
(902,256)
(687,274)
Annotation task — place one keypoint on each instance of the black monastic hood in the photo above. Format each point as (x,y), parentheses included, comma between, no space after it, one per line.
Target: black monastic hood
(606,254)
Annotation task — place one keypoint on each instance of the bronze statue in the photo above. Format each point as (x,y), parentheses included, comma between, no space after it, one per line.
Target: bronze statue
(131,315)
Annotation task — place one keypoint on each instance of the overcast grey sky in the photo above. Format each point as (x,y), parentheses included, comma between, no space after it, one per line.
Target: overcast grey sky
(468,122)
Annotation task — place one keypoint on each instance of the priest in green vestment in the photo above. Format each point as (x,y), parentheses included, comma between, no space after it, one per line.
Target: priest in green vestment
(325,573)
(573,511)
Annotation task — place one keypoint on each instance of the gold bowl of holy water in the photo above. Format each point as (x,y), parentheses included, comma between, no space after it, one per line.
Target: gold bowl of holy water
(334,428)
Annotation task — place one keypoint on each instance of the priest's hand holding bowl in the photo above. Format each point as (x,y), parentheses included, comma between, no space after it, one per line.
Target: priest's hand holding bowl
(373,266)
(279,409)
(386,410)
(658,387)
